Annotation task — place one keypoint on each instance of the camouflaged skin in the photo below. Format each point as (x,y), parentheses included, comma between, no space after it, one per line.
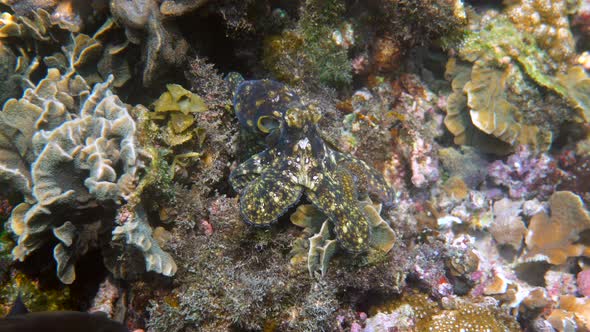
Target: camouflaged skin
(299,162)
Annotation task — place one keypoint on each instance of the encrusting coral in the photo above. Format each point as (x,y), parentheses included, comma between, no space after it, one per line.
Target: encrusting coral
(548,22)
(553,238)
(65,146)
(418,312)
(300,161)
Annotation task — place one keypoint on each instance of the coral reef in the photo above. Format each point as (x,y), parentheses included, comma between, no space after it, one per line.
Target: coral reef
(33,294)
(176,108)
(163,45)
(316,49)
(466,164)
(418,312)
(396,221)
(93,56)
(106,298)
(504,70)
(411,109)
(316,246)
(48,131)
(67,14)
(548,23)
(508,227)
(8,86)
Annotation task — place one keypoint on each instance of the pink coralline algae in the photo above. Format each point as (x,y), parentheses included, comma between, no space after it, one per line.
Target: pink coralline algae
(526,175)
(583,280)
(423,163)
(582,18)
(5,208)
(106,298)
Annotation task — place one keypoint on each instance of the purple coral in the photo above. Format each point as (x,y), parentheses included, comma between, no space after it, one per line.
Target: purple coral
(526,175)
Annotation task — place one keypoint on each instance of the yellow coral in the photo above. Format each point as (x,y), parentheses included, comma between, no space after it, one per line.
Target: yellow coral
(456,187)
(482,91)
(489,109)
(553,238)
(571,309)
(547,21)
(179,99)
(176,106)
(461,315)
(8,26)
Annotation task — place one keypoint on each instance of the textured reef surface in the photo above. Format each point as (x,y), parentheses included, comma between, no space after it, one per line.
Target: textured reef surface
(388,165)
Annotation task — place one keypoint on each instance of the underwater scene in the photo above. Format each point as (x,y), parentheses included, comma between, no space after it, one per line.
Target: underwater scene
(295,165)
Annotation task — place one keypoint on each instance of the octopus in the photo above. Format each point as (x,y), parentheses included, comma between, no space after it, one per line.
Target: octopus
(297,161)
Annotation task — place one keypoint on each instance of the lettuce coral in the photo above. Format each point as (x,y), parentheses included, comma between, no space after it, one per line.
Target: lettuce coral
(65,146)
(492,105)
(67,14)
(163,44)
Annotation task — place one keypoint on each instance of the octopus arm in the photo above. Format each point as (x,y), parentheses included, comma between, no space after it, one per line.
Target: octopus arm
(367,177)
(268,197)
(249,170)
(336,197)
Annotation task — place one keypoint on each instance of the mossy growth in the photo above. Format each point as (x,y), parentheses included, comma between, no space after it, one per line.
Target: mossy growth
(32,294)
(308,52)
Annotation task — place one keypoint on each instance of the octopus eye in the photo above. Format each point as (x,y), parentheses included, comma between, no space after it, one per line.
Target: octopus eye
(266,124)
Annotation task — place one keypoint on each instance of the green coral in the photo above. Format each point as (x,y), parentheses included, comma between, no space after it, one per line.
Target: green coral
(33,294)
(308,52)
